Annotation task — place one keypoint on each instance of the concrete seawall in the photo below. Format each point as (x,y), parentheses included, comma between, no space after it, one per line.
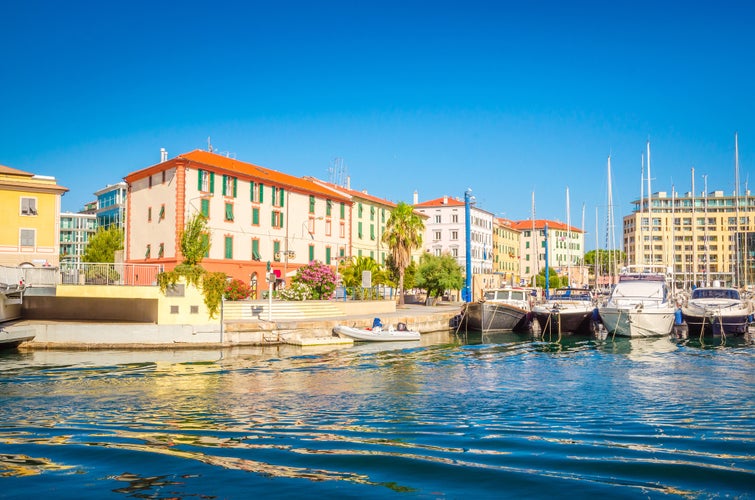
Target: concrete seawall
(108,335)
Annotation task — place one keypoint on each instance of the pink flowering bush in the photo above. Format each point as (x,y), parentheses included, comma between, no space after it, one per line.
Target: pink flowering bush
(236,290)
(319,278)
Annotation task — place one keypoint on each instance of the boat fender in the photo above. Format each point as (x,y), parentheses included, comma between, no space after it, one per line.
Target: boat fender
(595,315)
(678,317)
(401,326)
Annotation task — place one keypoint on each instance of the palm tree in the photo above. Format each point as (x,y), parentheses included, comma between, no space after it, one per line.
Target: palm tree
(403,233)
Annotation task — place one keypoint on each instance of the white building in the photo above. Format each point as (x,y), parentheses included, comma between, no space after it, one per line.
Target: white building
(445,231)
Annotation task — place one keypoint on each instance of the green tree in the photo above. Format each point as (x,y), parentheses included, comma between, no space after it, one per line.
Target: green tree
(103,245)
(606,259)
(554,280)
(195,242)
(403,233)
(436,274)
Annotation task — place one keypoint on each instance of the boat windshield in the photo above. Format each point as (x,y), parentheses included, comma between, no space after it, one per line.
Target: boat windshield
(570,294)
(715,293)
(499,295)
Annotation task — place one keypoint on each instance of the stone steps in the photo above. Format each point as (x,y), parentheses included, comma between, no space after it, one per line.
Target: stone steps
(281,310)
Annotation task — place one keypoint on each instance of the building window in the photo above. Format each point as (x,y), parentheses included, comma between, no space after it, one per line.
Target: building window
(229,212)
(149,214)
(230,184)
(277,219)
(454,235)
(455,252)
(256,249)
(162,212)
(206,181)
(436,235)
(28,206)
(328,207)
(229,247)
(311,253)
(205,204)
(206,244)
(342,230)
(150,182)
(327,227)
(161,251)
(255,192)
(311,204)
(255,216)
(163,176)
(455,218)
(372,213)
(372,231)
(343,210)
(359,230)
(148,253)
(359,210)
(276,251)
(27,237)
(279,196)
(437,219)
(327,255)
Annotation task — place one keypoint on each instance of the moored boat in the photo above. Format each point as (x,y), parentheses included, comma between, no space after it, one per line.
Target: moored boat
(501,310)
(566,311)
(9,340)
(716,311)
(639,306)
(376,334)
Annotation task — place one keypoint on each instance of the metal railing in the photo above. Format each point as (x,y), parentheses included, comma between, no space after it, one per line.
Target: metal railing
(89,273)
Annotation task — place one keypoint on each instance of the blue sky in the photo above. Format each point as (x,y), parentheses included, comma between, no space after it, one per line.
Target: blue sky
(505,98)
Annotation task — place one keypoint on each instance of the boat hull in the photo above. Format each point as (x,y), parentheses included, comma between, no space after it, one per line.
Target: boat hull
(699,322)
(362,335)
(637,322)
(495,317)
(554,321)
(11,340)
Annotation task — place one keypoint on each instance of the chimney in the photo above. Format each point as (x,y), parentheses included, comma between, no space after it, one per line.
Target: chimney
(445,199)
(348,182)
(416,197)
(163,155)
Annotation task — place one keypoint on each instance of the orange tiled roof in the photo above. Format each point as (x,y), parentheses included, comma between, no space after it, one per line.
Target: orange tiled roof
(526,224)
(233,166)
(356,194)
(443,201)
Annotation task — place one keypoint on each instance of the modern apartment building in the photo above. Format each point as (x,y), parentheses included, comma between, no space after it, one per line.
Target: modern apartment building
(30,207)
(75,231)
(445,231)
(255,215)
(702,238)
(111,205)
(506,247)
(566,250)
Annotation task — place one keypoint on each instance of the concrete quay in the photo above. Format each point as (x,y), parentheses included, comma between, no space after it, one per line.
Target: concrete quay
(49,334)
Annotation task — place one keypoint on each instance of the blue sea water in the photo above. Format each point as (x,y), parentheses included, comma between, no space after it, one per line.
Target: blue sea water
(505,415)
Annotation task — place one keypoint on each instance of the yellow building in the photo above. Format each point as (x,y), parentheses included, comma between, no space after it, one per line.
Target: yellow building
(702,238)
(30,208)
(506,241)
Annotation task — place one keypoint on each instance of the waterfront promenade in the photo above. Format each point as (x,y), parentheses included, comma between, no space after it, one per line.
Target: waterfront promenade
(52,334)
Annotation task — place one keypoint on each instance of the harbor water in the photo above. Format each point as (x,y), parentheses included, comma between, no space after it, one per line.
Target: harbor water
(450,416)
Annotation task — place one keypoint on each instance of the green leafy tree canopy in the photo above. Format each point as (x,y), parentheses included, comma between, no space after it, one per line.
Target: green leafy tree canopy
(436,274)
(403,234)
(103,245)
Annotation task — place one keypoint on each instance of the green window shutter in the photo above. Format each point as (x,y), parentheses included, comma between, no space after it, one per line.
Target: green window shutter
(281,219)
(228,211)
(225,178)
(283,197)
(311,204)
(256,249)
(327,255)
(272,219)
(328,207)
(359,229)
(251,191)
(343,210)
(372,231)
(359,210)
(235,186)
(256,216)
(199,180)
(206,208)
(212,182)
(262,192)
(311,253)
(276,247)
(229,247)
(273,195)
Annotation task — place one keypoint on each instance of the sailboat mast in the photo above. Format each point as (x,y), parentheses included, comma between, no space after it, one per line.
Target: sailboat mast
(568,239)
(736,204)
(640,254)
(650,209)
(694,235)
(534,245)
(610,228)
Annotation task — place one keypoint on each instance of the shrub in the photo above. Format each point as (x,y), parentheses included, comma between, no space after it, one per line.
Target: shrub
(237,290)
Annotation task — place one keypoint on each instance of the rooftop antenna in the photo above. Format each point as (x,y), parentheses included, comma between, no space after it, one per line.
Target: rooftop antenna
(338,172)
(209,144)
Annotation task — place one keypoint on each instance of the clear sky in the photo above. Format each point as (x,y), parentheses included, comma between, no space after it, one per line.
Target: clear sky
(506,98)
